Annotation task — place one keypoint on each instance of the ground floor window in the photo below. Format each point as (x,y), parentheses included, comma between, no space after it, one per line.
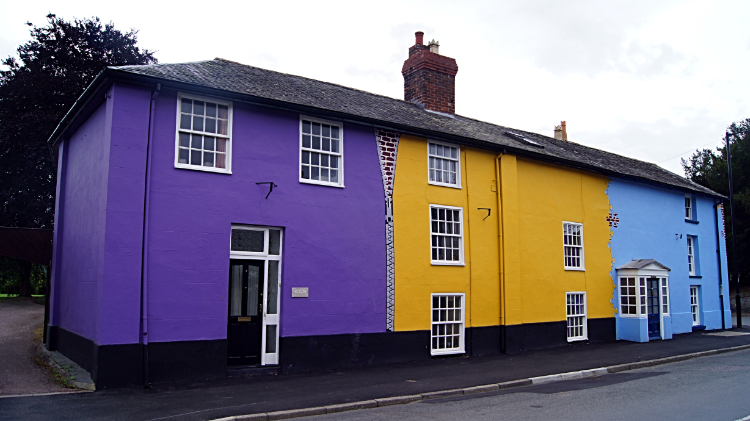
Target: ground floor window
(694,306)
(576,312)
(447,324)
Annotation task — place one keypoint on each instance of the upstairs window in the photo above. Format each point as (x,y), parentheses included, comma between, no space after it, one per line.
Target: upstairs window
(688,208)
(446,235)
(321,152)
(573,246)
(444,162)
(203,134)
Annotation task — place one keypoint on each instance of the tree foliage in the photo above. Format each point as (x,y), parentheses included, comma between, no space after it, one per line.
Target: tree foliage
(709,168)
(39,86)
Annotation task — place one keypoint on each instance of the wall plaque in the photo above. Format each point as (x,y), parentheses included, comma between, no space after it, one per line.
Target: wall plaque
(299,292)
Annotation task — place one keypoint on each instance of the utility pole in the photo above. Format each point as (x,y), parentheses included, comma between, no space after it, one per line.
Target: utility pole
(738,303)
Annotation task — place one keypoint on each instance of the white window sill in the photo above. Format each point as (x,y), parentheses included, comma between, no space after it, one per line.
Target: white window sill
(583,338)
(447,352)
(435,183)
(200,168)
(632,316)
(576,269)
(320,183)
(439,263)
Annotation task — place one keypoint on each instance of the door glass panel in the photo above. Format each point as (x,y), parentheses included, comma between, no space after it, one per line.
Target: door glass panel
(273,287)
(253,279)
(247,240)
(235,291)
(274,242)
(271,339)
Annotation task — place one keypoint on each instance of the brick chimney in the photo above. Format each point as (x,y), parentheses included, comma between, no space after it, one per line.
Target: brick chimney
(429,78)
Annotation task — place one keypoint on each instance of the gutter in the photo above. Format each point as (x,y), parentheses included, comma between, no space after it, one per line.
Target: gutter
(149,81)
(144,242)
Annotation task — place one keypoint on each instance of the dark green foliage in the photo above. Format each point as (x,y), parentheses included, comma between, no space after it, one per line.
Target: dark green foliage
(709,168)
(11,274)
(39,87)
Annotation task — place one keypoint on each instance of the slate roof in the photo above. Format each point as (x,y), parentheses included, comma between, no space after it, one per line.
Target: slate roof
(260,83)
(640,264)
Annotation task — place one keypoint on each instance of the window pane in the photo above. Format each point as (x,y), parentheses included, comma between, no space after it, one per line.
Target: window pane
(273,287)
(316,129)
(210,109)
(211,125)
(335,133)
(198,107)
(208,143)
(184,140)
(305,140)
(314,173)
(334,176)
(208,159)
(222,129)
(334,145)
(235,290)
(198,123)
(326,130)
(315,158)
(306,126)
(183,159)
(195,157)
(271,339)
(334,162)
(223,112)
(247,240)
(185,121)
(316,142)
(221,160)
(305,157)
(326,144)
(253,280)
(306,171)
(186,106)
(323,160)
(274,242)
(197,142)
(324,174)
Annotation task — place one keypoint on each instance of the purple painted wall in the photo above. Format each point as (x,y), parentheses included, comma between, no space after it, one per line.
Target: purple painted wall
(98,243)
(334,237)
(79,247)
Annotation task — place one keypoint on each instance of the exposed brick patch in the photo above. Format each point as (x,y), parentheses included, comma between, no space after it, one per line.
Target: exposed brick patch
(387,150)
(613,220)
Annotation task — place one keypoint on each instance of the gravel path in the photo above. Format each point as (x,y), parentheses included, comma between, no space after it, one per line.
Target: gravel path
(19,374)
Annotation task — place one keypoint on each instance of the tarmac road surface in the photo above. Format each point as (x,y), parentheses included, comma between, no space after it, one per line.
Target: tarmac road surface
(19,374)
(708,388)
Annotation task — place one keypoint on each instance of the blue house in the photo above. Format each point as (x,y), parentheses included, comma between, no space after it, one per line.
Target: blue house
(669,254)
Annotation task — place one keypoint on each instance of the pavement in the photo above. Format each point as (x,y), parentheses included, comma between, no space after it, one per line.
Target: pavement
(344,389)
(19,373)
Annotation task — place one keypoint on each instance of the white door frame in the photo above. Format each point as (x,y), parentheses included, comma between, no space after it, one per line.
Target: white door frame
(269,320)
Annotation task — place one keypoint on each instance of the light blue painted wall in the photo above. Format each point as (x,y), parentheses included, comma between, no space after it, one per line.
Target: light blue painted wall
(653,226)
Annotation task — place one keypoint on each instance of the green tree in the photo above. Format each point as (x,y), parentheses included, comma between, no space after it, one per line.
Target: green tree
(709,168)
(39,86)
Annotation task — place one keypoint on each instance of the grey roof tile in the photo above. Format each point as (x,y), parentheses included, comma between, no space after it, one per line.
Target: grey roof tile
(242,79)
(640,264)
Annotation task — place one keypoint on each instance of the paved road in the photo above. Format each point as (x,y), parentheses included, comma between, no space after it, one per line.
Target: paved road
(200,401)
(708,388)
(18,372)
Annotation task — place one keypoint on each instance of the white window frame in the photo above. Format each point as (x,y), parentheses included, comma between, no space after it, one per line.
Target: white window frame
(639,288)
(457,160)
(228,136)
(691,255)
(664,296)
(266,358)
(573,312)
(580,247)
(339,154)
(435,325)
(695,309)
(689,205)
(460,261)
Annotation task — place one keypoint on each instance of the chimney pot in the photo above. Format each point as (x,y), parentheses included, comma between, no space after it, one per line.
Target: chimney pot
(564,131)
(434,47)
(558,132)
(420,38)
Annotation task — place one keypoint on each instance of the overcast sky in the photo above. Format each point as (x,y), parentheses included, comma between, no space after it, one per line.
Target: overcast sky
(647,79)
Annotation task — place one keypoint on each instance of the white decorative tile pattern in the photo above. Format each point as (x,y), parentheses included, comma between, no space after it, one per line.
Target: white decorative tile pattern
(387,149)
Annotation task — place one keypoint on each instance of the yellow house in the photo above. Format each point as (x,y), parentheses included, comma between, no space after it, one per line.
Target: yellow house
(498,253)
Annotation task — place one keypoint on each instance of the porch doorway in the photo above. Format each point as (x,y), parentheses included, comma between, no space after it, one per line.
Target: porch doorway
(254,299)
(654,315)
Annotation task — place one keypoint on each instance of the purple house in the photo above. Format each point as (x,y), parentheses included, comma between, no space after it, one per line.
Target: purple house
(182,207)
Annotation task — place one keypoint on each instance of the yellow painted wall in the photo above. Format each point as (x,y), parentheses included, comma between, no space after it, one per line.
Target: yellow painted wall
(416,277)
(513,271)
(547,195)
